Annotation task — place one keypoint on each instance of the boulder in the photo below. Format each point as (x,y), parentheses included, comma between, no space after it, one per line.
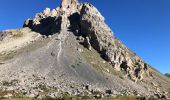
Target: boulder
(8,96)
(87,43)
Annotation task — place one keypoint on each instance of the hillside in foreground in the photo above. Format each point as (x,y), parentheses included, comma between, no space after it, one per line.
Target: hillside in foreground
(71,51)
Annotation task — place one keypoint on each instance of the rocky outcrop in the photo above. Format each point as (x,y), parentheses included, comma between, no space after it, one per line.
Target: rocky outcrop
(52,21)
(75,37)
(101,38)
(47,23)
(2,35)
(69,5)
(86,21)
(93,25)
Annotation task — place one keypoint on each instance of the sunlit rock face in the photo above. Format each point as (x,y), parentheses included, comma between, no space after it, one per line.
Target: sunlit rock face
(69,4)
(70,49)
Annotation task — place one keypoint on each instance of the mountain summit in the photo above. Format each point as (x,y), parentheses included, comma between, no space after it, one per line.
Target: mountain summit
(71,50)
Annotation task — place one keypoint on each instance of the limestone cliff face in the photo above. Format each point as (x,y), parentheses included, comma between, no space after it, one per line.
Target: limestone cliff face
(69,4)
(86,21)
(71,50)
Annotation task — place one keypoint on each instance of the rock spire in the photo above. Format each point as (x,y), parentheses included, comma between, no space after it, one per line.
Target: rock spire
(69,4)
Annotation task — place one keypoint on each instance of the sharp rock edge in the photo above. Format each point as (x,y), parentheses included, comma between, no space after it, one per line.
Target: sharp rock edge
(71,50)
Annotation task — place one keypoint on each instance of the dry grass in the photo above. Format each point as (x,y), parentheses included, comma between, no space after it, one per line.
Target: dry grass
(95,59)
(17,34)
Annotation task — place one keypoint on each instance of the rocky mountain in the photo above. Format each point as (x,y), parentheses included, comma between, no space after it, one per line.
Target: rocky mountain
(71,50)
(168,75)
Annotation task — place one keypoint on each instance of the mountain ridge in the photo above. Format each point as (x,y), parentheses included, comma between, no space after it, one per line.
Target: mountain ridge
(71,50)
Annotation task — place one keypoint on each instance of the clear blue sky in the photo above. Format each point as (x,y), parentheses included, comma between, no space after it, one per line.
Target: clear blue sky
(143,25)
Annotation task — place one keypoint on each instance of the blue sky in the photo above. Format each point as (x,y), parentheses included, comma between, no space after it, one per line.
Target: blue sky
(142,25)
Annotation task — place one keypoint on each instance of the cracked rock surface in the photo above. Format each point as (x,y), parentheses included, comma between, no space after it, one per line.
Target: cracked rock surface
(69,50)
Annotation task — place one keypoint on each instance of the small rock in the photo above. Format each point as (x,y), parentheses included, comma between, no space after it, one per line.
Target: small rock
(80,38)
(92,62)
(44,36)
(143,98)
(10,88)
(58,38)
(88,87)
(49,36)
(164,96)
(8,96)
(33,95)
(80,50)
(87,43)
(158,95)
(52,54)
(98,96)
(52,95)
(40,97)
(53,12)
(46,11)
(109,92)
(103,62)
(108,70)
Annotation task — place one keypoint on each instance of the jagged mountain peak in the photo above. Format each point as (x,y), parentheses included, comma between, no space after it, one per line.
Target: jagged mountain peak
(69,4)
(71,49)
(86,21)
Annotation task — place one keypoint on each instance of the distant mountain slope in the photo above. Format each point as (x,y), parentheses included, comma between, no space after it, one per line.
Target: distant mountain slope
(168,75)
(70,50)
